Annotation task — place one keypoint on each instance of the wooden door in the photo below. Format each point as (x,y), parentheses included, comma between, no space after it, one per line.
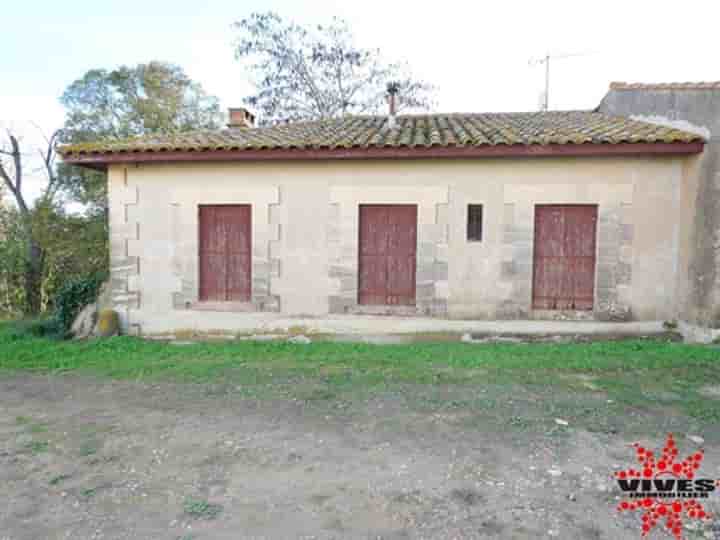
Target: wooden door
(388,238)
(225,252)
(564,259)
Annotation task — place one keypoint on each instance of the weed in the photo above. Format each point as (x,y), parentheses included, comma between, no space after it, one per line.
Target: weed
(467,496)
(31,426)
(36,447)
(88,493)
(319,394)
(201,509)
(89,447)
(26,328)
(184,334)
(298,330)
(55,480)
(520,422)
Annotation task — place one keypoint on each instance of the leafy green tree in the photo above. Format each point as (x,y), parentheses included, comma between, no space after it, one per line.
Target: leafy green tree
(157,97)
(12,263)
(303,72)
(146,99)
(23,228)
(67,245)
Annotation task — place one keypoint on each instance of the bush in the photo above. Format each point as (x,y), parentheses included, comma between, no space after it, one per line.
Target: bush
(34,328)
(72,297)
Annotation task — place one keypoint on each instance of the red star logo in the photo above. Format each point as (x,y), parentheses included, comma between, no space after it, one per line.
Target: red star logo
(657,510)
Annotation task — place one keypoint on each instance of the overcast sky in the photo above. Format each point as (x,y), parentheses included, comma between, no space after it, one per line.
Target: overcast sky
(477,53)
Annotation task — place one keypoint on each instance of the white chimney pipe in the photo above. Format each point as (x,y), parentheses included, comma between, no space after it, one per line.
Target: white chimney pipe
(392,90)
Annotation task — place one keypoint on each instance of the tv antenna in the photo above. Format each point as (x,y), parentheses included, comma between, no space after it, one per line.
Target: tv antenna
(546,60)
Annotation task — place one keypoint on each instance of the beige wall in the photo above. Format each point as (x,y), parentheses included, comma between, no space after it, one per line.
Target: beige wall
(305,234)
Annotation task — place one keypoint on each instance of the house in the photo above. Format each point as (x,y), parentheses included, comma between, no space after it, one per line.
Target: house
(696,107)
(546,215)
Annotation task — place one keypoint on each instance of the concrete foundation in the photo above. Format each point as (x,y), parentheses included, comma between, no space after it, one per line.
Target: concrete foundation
(269,323)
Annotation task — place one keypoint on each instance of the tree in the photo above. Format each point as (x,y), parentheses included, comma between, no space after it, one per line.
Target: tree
(147,99)
(318,72)
(12,172)
(156,97)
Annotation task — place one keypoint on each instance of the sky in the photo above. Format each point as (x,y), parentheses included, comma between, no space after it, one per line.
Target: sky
(478,54)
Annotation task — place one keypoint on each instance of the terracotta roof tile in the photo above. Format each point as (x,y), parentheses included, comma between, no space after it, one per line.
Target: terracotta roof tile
(412,131)
(710,85)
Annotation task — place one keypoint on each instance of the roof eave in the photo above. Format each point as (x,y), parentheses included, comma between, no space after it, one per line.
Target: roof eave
(102,160)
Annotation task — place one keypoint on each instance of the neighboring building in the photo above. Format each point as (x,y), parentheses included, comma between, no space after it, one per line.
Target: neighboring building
(478,216)
(692,107)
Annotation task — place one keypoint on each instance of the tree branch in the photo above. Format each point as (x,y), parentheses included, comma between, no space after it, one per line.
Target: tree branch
(17,161)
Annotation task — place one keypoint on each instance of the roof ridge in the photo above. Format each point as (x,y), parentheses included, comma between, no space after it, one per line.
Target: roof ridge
(701,85)
(455,113)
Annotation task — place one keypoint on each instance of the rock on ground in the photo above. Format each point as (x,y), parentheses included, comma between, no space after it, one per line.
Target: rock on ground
(84,323)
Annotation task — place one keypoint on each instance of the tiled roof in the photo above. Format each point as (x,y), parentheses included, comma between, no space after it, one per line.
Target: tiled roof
(412,131)
(710,85)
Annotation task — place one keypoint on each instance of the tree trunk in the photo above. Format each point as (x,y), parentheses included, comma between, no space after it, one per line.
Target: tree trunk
(33,278)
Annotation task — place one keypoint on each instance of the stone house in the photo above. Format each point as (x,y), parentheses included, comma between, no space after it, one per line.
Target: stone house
(695,107)
(581,215)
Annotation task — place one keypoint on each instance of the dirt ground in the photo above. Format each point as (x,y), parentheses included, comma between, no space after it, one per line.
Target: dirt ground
(85,458)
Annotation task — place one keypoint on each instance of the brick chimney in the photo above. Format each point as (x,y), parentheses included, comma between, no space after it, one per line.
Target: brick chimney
(240,118)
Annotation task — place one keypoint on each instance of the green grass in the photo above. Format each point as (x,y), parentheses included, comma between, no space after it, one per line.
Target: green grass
(88,493)
(55,480)
(89,447)
(631,372)
(36,447)
(201,509)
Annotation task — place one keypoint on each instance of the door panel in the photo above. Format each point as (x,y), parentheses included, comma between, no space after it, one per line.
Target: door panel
(213,280)
(225,252)
(388,238)
(564,257)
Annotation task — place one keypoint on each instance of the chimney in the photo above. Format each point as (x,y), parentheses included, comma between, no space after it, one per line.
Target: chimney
(240,118)
(392,90)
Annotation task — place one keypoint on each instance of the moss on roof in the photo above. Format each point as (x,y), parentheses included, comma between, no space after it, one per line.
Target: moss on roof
(436,130)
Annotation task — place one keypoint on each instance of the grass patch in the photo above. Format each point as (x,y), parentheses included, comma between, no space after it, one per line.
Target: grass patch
(30,425)
(88,493)
(89,447)
(55,480)
(639,372)
(38,428)
(201,509)
(36,447)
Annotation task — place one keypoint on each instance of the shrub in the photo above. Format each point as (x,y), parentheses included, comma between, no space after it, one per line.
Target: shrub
(72,297)
(34,328)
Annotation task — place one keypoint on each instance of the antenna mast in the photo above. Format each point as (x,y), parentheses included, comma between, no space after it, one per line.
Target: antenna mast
(546,60)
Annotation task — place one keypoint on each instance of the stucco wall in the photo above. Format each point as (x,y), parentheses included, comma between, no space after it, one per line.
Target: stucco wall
(305,234)
(696,110)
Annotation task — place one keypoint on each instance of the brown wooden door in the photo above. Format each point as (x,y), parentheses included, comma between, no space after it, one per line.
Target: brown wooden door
(564,261)
(225,253)
(388,238)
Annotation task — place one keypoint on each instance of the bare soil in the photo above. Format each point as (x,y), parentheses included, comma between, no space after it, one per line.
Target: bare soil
(84,458)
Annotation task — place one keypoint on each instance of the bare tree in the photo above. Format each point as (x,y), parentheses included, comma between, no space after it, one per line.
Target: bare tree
(12,172)
(311,72)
